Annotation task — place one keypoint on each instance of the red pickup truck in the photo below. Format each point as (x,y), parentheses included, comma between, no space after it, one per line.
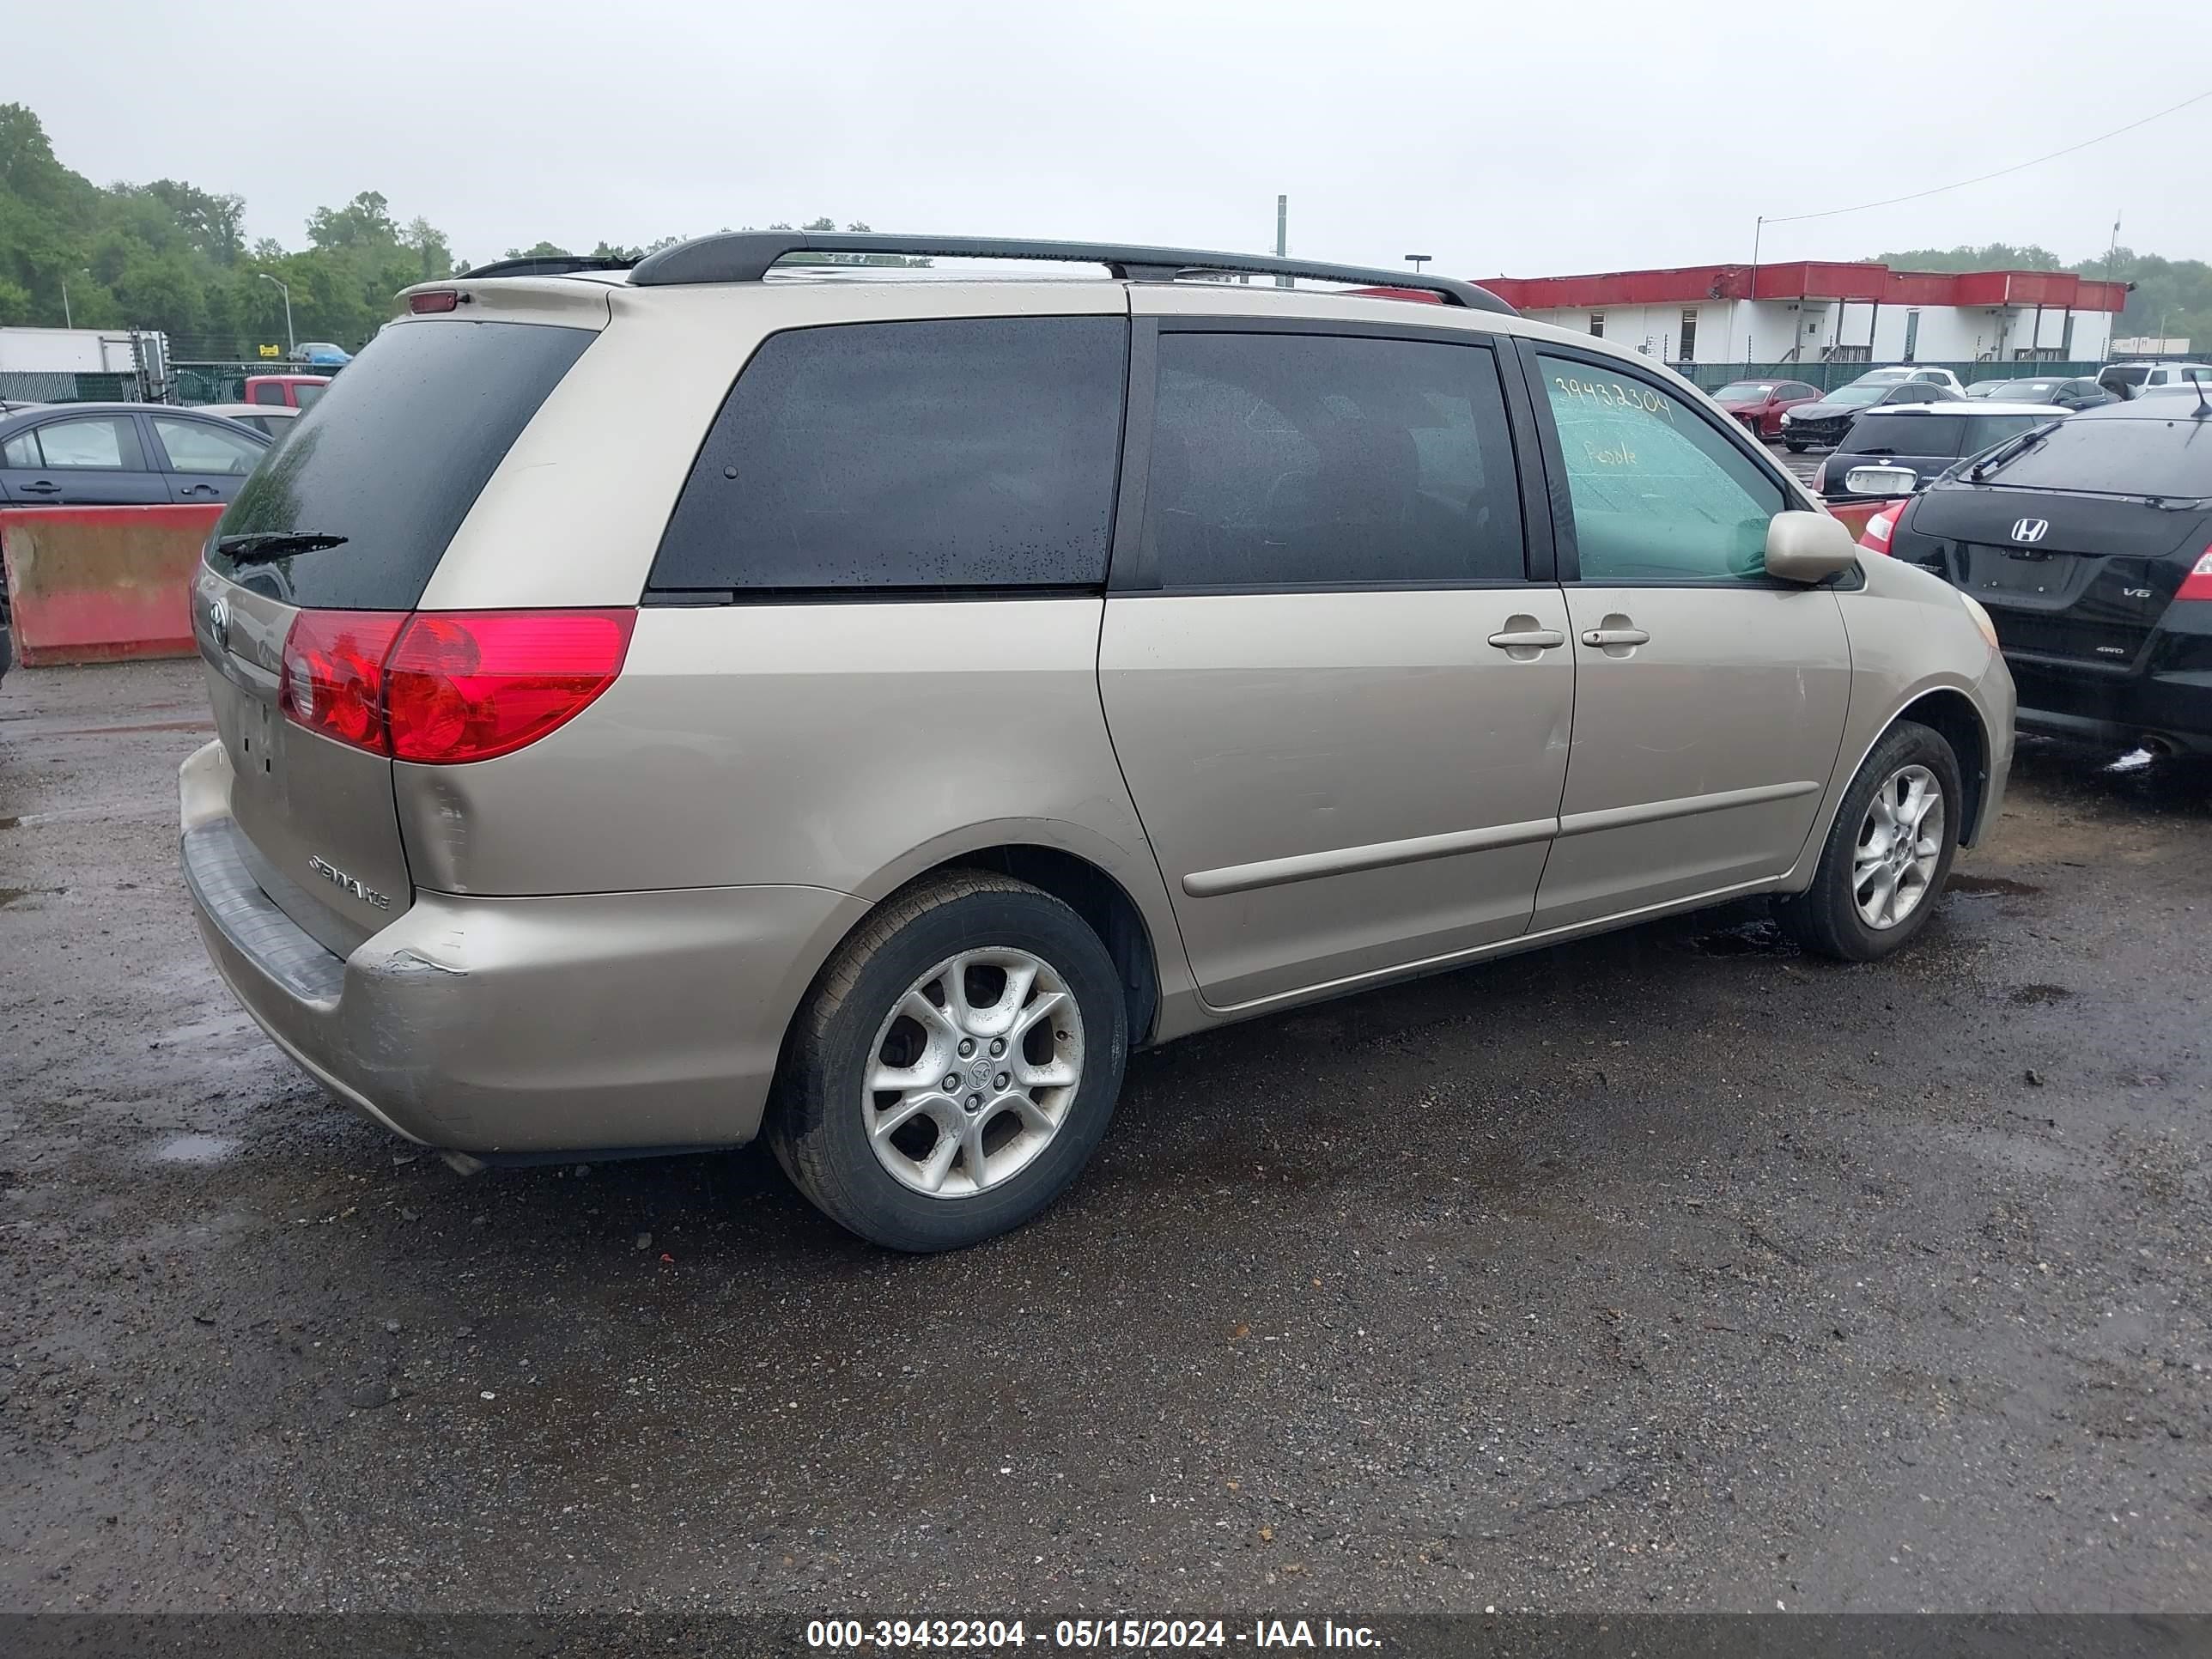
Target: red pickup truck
(288,390)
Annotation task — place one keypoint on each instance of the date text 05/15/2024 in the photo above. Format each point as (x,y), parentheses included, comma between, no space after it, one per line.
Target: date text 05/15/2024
(1111,1634)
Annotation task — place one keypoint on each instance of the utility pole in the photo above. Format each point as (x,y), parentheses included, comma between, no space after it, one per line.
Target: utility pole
(1751,305)
(1282,234)
(67,320)
(1417,260)
(291,343)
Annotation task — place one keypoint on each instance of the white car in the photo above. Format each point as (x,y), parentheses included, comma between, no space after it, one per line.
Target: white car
(2129,379)
(273,420)
(1896,374)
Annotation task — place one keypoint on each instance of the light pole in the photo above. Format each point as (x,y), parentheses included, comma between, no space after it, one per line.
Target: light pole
(1417,260)
(290,344)
(68,321)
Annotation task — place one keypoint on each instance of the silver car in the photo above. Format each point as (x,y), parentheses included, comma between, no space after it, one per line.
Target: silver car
(724,697)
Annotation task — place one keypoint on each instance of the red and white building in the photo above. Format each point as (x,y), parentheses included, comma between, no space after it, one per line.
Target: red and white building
(1806,312)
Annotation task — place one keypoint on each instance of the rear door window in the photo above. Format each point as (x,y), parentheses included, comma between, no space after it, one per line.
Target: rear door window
(1659,494)
(105,440)
(978,453)
(396,458)
(1329,461)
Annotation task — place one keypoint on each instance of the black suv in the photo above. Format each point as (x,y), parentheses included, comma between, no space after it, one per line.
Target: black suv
(2089,540)
(1925,439)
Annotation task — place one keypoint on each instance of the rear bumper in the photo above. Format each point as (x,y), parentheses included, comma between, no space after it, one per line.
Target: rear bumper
(2173,709)
(592,1023)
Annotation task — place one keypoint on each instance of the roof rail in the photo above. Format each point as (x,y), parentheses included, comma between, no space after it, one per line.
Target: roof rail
(548,264)
(745,256)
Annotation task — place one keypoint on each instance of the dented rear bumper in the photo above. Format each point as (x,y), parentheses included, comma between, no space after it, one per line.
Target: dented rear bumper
(601,1022)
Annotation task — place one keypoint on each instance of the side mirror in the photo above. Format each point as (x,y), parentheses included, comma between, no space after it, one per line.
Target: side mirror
(1809,547)
(1881,481)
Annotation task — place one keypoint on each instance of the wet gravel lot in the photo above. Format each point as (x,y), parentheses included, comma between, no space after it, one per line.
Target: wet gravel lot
(1669,1270)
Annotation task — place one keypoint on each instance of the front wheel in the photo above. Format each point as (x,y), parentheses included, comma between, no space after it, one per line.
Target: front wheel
(1793,447)
(956,1065)
(1888,853)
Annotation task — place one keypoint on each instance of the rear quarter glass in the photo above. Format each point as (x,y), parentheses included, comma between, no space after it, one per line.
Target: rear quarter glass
(392,458)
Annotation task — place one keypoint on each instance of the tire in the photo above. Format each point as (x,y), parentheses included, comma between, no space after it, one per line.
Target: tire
(1795,449)
(1827,917)
(990,931)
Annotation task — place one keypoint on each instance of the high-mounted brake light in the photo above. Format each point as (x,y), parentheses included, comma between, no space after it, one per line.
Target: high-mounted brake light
(437,299)
(1880,528)
(445,687)
(2198,584)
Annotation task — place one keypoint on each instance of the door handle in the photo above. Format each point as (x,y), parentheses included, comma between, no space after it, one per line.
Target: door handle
(199,489)
(1538,639)
(41,486)
(1605,636)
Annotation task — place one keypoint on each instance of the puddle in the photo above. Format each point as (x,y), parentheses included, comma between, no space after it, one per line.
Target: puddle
(1761,938)
(194,1149)
(1978,885)
(10,823)
(2030,996)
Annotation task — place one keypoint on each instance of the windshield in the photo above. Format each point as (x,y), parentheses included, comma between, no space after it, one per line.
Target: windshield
(1745,391)
(391,459)
(1852,395)
(2117,457)
(2014,392)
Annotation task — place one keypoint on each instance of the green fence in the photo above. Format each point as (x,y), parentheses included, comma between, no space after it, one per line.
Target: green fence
(19,386)
(1828,377)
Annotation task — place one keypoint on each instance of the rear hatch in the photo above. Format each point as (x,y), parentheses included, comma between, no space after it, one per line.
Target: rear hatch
(371,485)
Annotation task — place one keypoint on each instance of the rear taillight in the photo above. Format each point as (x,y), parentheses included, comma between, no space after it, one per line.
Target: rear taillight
(1820,477)
(2198,584)
(1880,528)
(466,686)
(333,680)
(443,687)
(434,300)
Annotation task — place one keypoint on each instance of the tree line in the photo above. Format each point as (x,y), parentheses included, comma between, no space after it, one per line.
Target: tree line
(2173,298)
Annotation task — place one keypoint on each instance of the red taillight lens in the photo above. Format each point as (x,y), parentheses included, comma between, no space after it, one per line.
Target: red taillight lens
(451,686)
(333,680)
(1880,528)
(437,299)
(468,685)
(2198,584)
(1820,477)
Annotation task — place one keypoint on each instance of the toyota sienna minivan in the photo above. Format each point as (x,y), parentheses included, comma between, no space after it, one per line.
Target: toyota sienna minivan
(731,697)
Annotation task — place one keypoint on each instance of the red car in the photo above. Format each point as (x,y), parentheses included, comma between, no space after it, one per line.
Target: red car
(1759,403)
(285,391)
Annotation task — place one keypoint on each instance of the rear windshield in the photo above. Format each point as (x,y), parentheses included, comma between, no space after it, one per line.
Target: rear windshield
(2119,458)
(2135,376)
(1935,435)
(392,458)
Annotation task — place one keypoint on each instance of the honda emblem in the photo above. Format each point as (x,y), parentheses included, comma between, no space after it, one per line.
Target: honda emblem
(2031,529)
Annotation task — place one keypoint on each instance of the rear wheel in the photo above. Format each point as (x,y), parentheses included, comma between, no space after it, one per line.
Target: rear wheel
(1888,853)
(957,1065)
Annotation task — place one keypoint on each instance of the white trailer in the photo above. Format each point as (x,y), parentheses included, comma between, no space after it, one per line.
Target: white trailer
(141,354)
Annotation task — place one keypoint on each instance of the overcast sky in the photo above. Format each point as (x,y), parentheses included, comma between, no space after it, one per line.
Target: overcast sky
(1524,140)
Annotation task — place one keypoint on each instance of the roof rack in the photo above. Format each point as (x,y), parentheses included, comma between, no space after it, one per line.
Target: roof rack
(746,256)
(549,264)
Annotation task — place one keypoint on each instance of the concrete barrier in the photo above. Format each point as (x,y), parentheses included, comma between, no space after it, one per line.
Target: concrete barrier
(99,584)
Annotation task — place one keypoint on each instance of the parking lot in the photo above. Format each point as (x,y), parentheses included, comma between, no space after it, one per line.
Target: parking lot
(1671,1269)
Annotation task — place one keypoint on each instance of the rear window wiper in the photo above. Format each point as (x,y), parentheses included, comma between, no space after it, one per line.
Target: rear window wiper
(257,546)
(2011,449)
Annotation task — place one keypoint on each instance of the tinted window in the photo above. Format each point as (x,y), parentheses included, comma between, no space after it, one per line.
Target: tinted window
(1919,392)
(395,458)
(978,453)
(2135,376)
(1983,430)
(1658,494)
(105,440)
(197,446)
(305,395)
(268,393)
(1307,461)
(2117,457)
(1876,434)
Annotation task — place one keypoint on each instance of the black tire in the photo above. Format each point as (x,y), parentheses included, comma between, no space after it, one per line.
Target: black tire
(1795,449)
(815,1124)
(1825,918)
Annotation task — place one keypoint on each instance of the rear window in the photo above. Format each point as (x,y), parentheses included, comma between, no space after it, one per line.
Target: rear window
(975,452)
(394,457)
(2117,458)
(1904,435)
(2135,376)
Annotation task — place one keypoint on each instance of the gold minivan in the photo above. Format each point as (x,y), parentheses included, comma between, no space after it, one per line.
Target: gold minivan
(758,691)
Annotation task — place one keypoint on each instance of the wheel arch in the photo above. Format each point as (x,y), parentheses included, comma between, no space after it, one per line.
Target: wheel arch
(1952,715)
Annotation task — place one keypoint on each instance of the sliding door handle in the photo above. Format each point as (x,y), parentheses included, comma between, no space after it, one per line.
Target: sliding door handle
(1533,639)
(1605,636)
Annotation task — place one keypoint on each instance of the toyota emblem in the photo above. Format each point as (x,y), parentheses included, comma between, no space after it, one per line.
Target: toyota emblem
(218,615)
(2031,529)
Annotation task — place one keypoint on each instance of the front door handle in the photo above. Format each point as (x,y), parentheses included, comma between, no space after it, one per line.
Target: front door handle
(1607,636)
(41,486)
(200,490)
(1534,639)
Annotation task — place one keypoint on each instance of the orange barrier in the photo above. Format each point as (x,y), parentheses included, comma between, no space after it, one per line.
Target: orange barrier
(98,584)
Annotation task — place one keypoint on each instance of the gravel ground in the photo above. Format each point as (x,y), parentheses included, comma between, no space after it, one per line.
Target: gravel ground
(1671,1270)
